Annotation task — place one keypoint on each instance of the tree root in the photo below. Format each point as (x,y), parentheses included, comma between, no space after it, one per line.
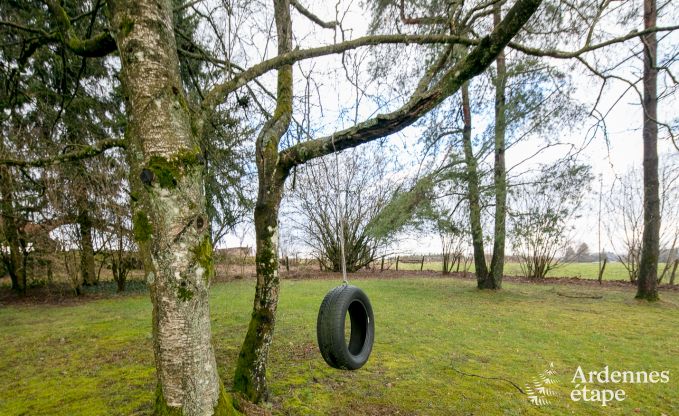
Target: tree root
(516,386)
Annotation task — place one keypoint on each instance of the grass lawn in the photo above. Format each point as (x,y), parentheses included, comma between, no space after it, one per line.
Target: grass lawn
(95,358)
(613,271)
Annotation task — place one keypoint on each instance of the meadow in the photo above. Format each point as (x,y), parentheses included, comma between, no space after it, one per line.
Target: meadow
(613,270)
(442,348)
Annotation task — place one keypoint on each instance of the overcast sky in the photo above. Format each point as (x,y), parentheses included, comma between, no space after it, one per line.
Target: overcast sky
(608,159)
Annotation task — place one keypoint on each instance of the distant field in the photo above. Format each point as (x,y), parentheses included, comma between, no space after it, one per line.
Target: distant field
(614,270)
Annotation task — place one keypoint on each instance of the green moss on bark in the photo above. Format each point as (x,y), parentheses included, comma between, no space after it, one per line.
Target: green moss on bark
(168,172)
(161,408)
(184,294)
(267,259)
(126,26)
(243,379)
(142,227)
(225,405)
(203,256)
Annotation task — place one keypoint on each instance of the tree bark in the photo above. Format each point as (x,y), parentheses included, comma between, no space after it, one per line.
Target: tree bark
(650,250)
(15,263)
(250,376)
(674,271)
(170,216)
(473,193)
(87,269)
(494,280)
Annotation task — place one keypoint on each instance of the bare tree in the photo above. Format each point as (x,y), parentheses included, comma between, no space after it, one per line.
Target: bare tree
(346,191)
(624,217)
(541,214)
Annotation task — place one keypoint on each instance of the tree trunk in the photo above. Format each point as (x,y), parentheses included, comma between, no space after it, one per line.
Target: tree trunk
(494,280)
(87,269)
(473,192)
(648,265)
(601,270)
(15,265)
(250,376)
(170,217)
(674,271)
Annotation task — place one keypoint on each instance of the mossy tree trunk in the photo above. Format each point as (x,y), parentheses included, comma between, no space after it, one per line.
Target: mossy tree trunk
(87,269)
(170,220)
(273,167)
(250,376)
(650,249)
(473,193)
(494,278)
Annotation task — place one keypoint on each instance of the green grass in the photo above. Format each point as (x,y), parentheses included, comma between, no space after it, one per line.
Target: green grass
(96,358)
(613,271)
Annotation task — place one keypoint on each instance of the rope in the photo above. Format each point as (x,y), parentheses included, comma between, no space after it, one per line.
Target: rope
(340,223)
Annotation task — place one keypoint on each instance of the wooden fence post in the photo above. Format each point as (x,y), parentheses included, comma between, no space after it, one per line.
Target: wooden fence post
(422,264)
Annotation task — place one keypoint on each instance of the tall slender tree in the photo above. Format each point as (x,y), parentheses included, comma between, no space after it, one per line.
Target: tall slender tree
(494,278)
(650,248)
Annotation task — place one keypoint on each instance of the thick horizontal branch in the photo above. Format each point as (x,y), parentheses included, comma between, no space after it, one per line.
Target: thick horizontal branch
(83,153)
(554,53)
(480,57)
(219,92)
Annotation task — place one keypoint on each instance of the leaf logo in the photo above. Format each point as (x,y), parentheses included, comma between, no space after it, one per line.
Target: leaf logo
(540,390)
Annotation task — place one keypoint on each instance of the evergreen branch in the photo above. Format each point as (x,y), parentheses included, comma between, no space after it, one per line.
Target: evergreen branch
(85,152)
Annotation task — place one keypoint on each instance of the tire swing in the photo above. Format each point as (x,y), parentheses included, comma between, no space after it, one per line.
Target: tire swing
(341,301)
(330,328)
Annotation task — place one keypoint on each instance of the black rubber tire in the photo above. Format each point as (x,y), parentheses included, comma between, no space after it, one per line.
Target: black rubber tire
(330,328)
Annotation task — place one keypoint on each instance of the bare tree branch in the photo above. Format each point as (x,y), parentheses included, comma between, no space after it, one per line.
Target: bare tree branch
(306,13)
(554,53)
(422,101)
(217,94)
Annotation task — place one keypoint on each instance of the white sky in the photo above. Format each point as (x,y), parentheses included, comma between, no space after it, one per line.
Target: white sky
(608,160)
